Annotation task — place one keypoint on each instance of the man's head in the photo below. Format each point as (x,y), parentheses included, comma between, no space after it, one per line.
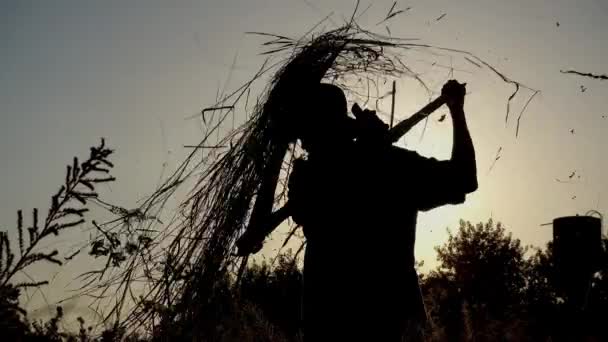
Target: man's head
(324,121)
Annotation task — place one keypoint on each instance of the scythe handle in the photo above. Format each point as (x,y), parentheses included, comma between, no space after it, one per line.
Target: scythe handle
(404,126)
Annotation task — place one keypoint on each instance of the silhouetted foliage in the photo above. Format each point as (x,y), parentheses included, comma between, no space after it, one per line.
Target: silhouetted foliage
(11,323)
(276,291)
(478,284)
(67,210)
(487,266)
(485,288)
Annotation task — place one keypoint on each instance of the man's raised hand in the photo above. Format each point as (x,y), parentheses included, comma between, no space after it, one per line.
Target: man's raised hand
(453,94)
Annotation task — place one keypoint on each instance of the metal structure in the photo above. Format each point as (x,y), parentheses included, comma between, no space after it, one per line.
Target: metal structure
(577,245)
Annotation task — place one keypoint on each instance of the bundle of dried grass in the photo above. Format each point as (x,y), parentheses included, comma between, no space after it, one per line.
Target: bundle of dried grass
(181,265)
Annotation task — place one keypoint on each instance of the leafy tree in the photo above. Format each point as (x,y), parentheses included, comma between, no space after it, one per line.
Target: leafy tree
(541,295)
(479,282)
(487,265)
(545,302)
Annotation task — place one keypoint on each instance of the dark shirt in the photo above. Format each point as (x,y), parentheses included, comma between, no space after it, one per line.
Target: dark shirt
(358,210)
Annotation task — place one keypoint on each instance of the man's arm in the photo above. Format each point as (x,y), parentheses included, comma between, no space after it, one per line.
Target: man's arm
(253,238)
(463,152)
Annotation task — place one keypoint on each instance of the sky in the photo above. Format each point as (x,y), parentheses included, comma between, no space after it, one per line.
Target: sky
(133,71)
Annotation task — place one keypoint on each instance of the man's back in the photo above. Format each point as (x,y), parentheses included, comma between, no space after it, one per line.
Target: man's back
(358,210)
(365,200)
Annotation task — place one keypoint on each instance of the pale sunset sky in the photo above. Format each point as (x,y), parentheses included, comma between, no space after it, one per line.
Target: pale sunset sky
(132,71)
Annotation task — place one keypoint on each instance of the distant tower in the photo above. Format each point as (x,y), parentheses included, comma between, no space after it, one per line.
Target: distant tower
(577,246)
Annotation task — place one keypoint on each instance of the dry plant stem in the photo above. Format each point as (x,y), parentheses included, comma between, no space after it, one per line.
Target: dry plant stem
(77,175)
(586,74)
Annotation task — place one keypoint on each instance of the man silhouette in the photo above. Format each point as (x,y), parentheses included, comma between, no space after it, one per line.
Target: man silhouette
(357,198)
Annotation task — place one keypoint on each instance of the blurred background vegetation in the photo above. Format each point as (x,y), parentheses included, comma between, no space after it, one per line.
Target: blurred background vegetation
(487,285)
